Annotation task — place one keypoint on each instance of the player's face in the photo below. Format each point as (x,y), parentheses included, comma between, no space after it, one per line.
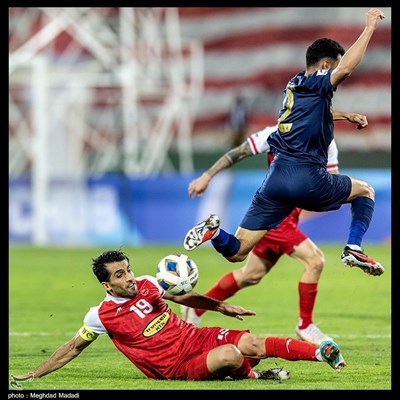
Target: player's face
(122,281)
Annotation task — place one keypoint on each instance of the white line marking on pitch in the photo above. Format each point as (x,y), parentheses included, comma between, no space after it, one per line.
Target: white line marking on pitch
(346,336)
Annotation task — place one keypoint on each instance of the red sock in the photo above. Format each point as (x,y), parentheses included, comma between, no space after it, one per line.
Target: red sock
(289,349)
(225,287)
(307,295)
(243,372)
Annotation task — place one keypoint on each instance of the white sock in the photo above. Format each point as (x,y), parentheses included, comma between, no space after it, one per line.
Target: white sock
(256,374)
(354,247)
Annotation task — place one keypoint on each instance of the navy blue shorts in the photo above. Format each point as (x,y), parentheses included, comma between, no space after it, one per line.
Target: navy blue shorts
(287,186)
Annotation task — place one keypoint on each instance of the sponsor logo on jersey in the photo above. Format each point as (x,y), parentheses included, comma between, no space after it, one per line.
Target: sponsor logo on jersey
(156,325)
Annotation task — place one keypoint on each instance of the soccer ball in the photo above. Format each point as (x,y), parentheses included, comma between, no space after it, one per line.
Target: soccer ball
(177,274)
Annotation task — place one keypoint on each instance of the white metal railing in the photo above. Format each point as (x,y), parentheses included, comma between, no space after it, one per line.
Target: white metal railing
(153,79)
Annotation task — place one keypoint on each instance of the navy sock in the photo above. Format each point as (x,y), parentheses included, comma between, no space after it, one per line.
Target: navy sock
(362,209)
(226,244)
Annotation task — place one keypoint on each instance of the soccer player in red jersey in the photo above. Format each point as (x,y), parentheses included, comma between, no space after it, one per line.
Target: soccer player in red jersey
(143,327)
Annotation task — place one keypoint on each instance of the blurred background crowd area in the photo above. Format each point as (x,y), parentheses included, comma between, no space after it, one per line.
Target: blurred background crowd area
(145,92)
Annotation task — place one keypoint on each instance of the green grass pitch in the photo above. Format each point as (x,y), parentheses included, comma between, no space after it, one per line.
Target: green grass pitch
(51,289)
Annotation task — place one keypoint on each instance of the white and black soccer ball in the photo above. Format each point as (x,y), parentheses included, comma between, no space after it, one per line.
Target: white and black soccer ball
(177,274)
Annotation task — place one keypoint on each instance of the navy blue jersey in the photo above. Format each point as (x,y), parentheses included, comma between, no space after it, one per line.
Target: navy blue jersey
(305,123)
(297,176)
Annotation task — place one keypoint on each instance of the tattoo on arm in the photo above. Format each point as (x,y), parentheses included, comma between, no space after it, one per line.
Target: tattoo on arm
(231,157)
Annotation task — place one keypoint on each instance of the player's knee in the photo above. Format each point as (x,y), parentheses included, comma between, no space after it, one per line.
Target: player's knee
(230,356)
(367,191)
(318,266)
(315,265)
(371,192)
(364,189)
(319,262)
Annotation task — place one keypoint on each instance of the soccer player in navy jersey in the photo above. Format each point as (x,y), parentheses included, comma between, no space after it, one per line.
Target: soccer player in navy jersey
(288,238)
(143,327)
(297,176)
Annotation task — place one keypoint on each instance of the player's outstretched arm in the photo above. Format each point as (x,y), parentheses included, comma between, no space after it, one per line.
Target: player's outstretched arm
(199,185)
(232,310)
(355,53)
(196,300)
(63,355)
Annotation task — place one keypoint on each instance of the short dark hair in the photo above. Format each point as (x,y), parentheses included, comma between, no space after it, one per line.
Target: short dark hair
(323,48)
(99,264)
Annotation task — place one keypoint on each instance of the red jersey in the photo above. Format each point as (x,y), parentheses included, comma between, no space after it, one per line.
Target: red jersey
(151,336)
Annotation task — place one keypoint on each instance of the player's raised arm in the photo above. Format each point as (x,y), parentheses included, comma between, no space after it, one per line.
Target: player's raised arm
(356,52)
(199,185)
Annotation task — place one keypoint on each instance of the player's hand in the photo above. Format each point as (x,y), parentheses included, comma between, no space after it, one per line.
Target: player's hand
(359,119)
(15,380)
(198,186)
(372,17)
(234,311)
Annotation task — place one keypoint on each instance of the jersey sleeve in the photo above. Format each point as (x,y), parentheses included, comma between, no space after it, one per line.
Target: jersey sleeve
(92,321)
(258,140)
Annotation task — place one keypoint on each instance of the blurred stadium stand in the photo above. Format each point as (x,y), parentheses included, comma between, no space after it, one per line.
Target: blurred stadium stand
(256,50)
(125,97)
(101,89)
